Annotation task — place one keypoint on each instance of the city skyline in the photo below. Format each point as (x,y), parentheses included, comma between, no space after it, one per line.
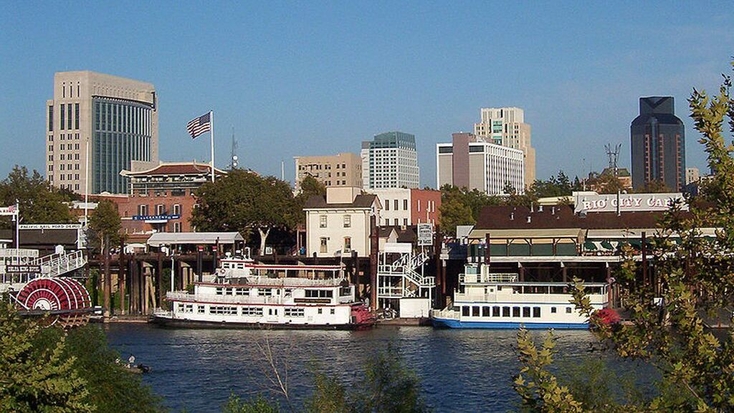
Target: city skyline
(320,78)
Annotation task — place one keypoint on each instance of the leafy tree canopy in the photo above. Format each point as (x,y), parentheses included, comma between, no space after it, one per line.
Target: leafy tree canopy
(692,285)
(243,201)
(36,378)
(39,202)
(105,223)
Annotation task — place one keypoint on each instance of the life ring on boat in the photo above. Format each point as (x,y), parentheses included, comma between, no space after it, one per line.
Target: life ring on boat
(221,272)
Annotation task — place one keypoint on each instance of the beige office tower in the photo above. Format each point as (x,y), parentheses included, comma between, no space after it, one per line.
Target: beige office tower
(96,126)
(506,127)
(342,170)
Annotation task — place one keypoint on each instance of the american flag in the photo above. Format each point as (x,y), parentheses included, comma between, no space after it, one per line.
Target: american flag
(199,125)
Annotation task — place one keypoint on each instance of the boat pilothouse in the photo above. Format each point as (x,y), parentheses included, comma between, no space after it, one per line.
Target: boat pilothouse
(500,301)
(243,293)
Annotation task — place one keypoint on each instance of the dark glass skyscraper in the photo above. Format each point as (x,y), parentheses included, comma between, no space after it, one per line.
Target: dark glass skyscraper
(658,144)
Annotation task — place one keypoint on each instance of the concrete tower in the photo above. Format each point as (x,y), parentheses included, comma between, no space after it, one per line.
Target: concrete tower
(96,126)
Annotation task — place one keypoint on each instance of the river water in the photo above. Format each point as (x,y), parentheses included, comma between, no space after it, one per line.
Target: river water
(197,370)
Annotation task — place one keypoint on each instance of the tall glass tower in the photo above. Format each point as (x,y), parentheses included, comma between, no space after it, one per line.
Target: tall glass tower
(658,144)
(97,126)
(390,160)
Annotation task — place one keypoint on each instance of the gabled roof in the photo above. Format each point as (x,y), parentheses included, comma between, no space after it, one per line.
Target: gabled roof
(176,168)
(364,201)
(188,238)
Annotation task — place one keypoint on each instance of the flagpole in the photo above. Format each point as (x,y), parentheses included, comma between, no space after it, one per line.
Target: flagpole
(211,120)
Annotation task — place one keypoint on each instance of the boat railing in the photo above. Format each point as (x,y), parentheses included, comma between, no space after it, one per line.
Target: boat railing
(282,282)
(446,313)
(595,299)
(487,278)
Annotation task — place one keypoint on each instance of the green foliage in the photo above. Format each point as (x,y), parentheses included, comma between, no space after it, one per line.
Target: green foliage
(538,388)
(692,284)
(243,201)
(556,186)
(309,187)
(257,405)
(105,224)
(328,396)
(36,378)
(388,386)
(50,369)
(39,202)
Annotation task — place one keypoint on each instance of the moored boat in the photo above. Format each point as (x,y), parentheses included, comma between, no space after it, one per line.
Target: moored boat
(500,301)
(245,294)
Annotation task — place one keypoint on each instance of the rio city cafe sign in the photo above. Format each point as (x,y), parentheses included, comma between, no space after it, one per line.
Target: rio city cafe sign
(626,202)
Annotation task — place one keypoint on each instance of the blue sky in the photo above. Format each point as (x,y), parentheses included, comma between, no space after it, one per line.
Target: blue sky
(319,77)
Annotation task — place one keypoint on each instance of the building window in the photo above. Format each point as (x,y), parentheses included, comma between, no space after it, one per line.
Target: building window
(347,221)
(76,116)
(50,118)
(142,209)
(160,209)
(61,116)
(405,204)
(347,244)
(395,204)
(322,248)
(176,227)
(176,209)
(387,205)
(322,221)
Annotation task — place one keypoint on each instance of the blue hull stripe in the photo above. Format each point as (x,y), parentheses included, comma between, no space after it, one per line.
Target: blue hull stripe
(506,325)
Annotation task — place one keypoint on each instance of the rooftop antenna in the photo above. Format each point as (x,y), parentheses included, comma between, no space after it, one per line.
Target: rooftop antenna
(613,155)
(234,158)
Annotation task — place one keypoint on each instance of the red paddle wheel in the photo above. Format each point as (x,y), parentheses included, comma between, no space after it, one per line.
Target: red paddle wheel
(65,299)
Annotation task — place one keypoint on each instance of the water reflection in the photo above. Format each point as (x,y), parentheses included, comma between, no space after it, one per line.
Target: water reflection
(197,370)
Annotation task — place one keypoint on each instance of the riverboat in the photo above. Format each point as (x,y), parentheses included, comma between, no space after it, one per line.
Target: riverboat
(500,301)
(246,294)
(41,285)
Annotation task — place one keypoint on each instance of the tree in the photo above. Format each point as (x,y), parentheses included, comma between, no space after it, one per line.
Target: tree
(244,201)
(693,281)
(389,386)
(309,187)
(111,388)
(454,210)
(39,202)
(105,224)
(36,378)
(556,186)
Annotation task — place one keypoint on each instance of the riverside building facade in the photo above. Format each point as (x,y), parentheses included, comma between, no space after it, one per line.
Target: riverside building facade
(96,126)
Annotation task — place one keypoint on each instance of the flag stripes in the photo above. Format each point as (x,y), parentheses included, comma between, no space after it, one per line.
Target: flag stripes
(199,125)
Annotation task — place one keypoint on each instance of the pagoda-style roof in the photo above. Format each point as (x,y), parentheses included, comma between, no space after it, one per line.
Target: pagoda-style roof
(175,168)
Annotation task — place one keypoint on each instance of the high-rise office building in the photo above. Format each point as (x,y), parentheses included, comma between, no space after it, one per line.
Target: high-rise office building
(471,162)
(344,169)
(96,126)
(506,127)
(658,144)
(390,160)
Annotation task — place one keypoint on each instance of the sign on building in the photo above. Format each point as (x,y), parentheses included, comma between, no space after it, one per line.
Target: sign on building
(425,234)
(626,202)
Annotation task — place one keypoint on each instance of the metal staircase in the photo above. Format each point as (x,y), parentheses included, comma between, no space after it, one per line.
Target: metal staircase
(401,277)
(55,265)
